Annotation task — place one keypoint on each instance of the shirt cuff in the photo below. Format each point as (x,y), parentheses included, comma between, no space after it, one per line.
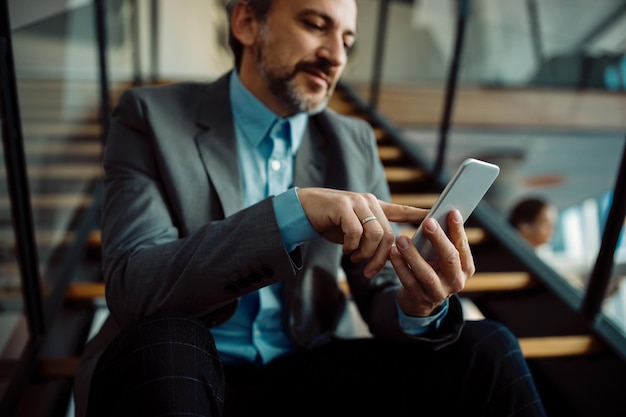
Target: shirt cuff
(294,226)
(417,326)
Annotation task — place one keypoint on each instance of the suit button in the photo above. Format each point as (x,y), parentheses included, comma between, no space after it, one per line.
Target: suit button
(232,287)
(267,272)
(243,282)
(255,277)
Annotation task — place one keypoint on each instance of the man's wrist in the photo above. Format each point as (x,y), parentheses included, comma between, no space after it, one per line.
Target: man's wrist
(416,326)
(293,223)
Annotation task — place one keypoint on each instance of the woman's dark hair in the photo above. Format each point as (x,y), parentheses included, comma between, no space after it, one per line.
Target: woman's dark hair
(526,211)
(261,9)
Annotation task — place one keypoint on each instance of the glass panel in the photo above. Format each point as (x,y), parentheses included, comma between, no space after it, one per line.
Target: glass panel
(540,92)
(56,67)
(56,62)
(614,306)
(13,330)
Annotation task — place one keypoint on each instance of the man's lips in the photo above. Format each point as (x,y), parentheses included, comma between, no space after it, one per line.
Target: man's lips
(320,76)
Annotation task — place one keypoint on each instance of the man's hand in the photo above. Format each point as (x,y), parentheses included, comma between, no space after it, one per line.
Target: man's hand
(342,217)
(426,285)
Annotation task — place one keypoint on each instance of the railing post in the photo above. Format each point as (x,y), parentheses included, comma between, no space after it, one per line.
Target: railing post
(154,41)
(135,39)
(101,36)
(601,274)
(453,75)
(535,34)
(17,179)
(379,53)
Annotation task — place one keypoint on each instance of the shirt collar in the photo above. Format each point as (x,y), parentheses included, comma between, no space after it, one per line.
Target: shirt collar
(255,120)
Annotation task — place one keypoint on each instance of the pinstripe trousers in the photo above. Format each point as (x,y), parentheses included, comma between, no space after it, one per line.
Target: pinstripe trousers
(168,365)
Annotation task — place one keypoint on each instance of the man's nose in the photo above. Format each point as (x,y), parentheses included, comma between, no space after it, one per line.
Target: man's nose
(334,51)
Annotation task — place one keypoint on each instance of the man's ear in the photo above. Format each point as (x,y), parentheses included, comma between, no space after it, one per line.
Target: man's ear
(244,23)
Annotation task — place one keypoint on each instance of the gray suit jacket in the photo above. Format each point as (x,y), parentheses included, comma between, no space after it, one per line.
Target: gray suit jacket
(176,237)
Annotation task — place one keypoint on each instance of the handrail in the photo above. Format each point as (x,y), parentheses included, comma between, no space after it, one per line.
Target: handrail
(451,86)
(379,53)
(601,274)
(105,95)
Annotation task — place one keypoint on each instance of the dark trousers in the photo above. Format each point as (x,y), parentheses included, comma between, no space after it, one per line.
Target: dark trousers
(167,365)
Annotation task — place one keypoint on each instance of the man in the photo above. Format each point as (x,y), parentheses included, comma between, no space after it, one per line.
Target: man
(229,209)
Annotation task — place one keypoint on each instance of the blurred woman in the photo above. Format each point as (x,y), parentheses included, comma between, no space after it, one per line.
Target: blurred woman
(534,219)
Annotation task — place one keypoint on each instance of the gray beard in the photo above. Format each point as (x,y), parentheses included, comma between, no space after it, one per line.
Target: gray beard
(284,87)
(286,90)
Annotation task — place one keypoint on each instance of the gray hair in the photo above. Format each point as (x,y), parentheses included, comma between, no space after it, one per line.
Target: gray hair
(261,9)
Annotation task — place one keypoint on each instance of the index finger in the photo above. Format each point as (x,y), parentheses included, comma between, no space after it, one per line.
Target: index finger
(402,213)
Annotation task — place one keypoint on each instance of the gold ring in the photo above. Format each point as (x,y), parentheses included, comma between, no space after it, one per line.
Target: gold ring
(368,219)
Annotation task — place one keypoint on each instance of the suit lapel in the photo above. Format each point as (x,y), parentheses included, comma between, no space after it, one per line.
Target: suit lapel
(218,147)
(311,160)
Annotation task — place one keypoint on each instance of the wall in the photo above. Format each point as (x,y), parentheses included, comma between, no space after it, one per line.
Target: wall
(192,35)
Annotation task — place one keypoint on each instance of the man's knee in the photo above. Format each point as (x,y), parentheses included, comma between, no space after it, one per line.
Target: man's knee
(153,355)
(490,341)
(161,329)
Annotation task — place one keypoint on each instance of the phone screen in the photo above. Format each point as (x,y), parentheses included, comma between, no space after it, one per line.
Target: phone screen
(464,191)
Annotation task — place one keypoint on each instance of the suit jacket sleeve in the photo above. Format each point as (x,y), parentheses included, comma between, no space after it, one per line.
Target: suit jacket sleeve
(154,257)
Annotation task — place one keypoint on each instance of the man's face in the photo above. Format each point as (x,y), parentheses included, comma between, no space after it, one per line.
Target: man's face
(301,51)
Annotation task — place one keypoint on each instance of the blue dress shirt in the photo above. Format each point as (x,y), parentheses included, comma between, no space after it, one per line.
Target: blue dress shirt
(255,332)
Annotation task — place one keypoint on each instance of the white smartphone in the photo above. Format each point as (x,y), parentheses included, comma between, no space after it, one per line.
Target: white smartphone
(464,191)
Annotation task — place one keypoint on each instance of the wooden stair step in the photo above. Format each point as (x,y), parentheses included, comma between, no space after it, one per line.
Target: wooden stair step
(60,115)
(500,281)
(486,281)
(86,149)
(389,154)
(53,201)
(39,86)
(560,346)
(62,171)
(532,348)
(475,235)
(85,291)
(380,134)
(405,174)
(340,105)
(422,200)
(65,129)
